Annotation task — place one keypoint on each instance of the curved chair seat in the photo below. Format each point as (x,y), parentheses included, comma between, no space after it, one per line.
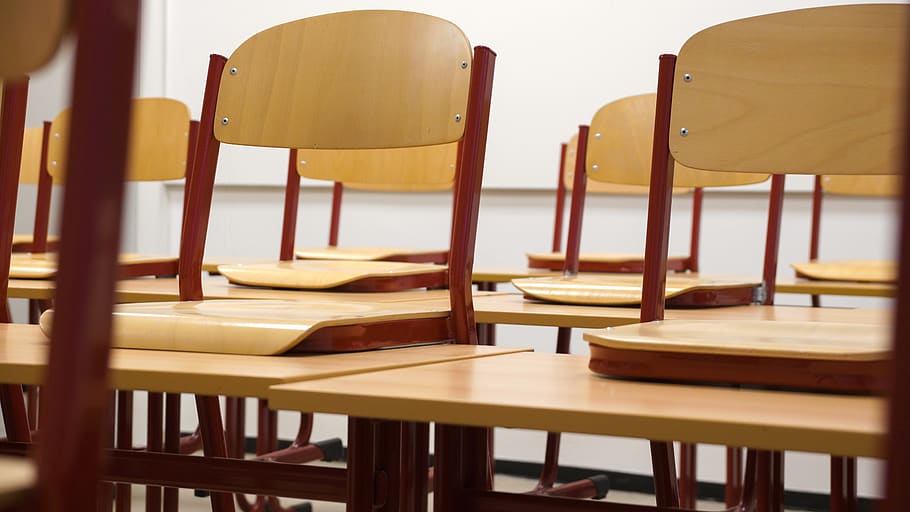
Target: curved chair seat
(373,254)
(261,327)
(602,262)
(626,290)
(23,242)
(44,265)
(344,275)
(865,271)
(812,355)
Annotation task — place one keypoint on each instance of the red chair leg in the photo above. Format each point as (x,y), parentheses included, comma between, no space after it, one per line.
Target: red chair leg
(154,443)
(733,491)
(171,444)
(688,481)
(124,499)
(665,482)
(213,444)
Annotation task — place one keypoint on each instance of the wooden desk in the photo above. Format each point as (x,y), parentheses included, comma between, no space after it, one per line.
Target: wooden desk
(23,359)
(815,287)
(528,391)
(514,309)
(214,287)
(17,477)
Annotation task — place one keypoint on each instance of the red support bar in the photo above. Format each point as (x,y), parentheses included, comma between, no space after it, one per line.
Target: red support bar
(335,220)
(560,199)
(199,204)
(291,200)
(772,237)
(695,240)
(467,196)
(43,200)
(816,219)
(577,210)
(12,128)
(193,140)
(76,383)
(659,198)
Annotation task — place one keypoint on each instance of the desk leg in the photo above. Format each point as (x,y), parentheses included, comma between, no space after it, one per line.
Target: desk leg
(213,444)
(105,500)
(415,466)
(688,479)
(733,492)
(461,465)
(171,444)
(486,333)
(664,466)
(124,498)
(155,443)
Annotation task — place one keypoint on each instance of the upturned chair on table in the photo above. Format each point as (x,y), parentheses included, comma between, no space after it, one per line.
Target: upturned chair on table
(721,103)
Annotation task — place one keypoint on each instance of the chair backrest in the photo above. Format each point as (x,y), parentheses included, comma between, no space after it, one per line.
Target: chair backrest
(30,164)
(33,171)
(30,33)
(419,169)
(350,80)
(811,91)
(158,143)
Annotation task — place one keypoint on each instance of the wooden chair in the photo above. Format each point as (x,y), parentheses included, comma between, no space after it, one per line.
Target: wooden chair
(69,455)
(610,262)
(620,158)
(160,149)
(33,171)
(852,270)
(425,169)
(720,106)
(355,268)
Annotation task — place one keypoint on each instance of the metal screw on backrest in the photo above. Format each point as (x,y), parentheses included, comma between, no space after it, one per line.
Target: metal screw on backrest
(225,120)
(302,163)
(464,64)
(684,132)
(56,135)
(457,118)
(595,167)
(597,136)
(233,71)
(687,77)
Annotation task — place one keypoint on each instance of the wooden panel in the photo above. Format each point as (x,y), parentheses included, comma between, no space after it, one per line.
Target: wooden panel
(424,168)
(30,166)
(620,144)
(23,360)
(321,83)
(832,106)
(854,289)
(44,265)
(615,289)
(869,271)
(882,186)
(30,32)
(249,327)
(529,391)
(316,274)
(158,141)
(795,340)
(359,253)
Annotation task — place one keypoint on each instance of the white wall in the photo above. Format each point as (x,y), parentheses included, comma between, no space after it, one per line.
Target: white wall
(558,62)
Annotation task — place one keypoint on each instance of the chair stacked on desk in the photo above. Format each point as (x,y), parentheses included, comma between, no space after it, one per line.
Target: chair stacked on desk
(33,171)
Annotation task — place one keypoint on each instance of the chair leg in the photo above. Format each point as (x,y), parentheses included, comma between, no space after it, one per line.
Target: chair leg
(213,443)
(124,499)
(171,444)
(733,491)
(665,482)
(688,481)
(154,443)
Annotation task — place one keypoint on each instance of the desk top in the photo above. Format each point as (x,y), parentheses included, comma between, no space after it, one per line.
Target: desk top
(514,309)
(214,287)
(23,358)
(558,393)
(18,477)
(815,287)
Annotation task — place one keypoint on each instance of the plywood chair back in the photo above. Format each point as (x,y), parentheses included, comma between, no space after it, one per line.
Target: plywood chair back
(886,186)
(419,169)
(608,262)
(425,87)
(721,103)
(30,33)
(33,171)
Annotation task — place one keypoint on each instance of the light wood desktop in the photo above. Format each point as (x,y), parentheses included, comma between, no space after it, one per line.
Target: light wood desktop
(528,391)
(23,354)
(18,478)
(848,288)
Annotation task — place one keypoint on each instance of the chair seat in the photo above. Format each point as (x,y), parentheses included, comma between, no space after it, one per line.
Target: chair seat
(373,254)
(44,265)
(251,327)
(814,355)
(625,290)
(23,242)
(867,271)
(602,262)
(327,274)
